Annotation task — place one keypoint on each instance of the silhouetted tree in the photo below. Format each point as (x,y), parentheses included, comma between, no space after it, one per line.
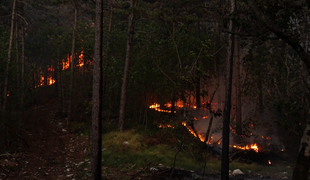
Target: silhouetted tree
(227,106)
(97,94)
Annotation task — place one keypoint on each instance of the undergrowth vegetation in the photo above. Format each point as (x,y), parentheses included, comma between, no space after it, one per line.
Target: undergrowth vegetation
(158,147)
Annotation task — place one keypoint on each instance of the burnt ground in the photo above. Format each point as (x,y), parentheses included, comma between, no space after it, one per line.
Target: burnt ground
(56,153)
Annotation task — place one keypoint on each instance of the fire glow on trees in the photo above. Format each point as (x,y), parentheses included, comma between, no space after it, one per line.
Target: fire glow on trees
(201,136)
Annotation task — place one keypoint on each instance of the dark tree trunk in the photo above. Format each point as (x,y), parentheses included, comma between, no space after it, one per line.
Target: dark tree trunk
(17,63)
(97,101)
(23,69)
(238,89)
(301,170)
(72,63)
(227,106)
(9,58)
(130,34)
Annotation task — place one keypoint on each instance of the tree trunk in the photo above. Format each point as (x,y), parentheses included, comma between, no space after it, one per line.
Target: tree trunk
(130,34)
(72,63)
(9,58)
(97,101)
(17,65)
(238,90)
(227,107)
(301,171)
(23,69)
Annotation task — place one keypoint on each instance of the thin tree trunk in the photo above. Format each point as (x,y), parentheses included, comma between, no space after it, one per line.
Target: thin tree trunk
(9,58)
(227,107)
(17,64)
(130,34)
(72,63)
(23,70)
(97,101)
(238,90)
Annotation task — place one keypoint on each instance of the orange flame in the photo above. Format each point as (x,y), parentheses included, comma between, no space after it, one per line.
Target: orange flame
(81,59)
(66,64)
(41,81)
(50,81)
(247,147)
(156,107)
(51,68)
(269,162)
(201,137)
(165,126)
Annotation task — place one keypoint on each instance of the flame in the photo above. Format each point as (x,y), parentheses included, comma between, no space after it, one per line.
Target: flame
(81,59)
(156,106)
(247,147)
(51,68)
(41,81)
(165,126)
(50,81)
(201,137)
(269,162)
(66,64)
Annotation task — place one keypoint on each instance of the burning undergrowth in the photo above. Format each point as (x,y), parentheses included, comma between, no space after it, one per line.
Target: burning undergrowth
(255,136)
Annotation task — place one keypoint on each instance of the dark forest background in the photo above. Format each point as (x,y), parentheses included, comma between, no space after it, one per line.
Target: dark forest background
(178,55)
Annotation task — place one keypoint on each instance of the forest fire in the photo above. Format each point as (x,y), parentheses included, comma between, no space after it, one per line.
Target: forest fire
(65,65)
(254,147)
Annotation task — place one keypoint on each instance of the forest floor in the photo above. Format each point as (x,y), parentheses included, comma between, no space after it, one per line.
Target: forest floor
(55,153)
